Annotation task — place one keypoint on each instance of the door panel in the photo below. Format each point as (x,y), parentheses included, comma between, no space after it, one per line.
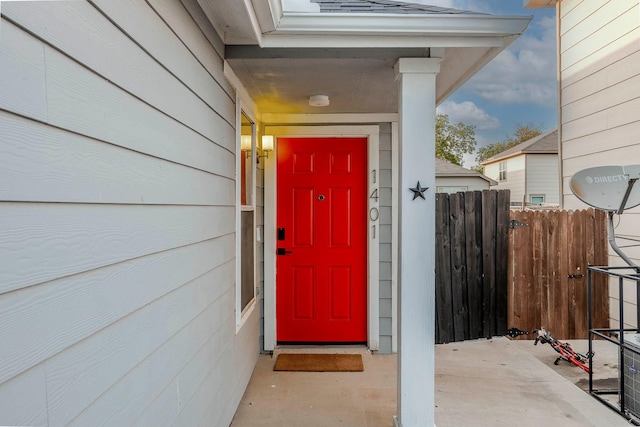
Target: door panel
(303,206)
(340,298)
(340,230)
(321,282)
(303,293)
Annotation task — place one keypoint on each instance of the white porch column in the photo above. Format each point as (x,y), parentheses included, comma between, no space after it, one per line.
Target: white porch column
(416,293)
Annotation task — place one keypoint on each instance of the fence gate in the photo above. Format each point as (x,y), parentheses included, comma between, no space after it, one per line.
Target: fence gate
(548,263)
(472,237)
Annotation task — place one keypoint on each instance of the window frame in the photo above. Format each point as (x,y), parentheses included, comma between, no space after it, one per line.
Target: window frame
(532,196)
(244,312)
(502,170)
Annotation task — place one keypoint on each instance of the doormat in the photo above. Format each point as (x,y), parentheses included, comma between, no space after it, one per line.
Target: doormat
(319,362)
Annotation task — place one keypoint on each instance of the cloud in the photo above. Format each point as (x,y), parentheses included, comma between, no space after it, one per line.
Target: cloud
(525,73)
(470,114)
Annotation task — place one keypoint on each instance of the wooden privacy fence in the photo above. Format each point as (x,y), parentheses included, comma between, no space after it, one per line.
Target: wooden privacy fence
(472,235)
(548,263)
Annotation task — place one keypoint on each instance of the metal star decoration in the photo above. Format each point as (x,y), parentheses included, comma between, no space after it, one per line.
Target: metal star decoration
(419,191)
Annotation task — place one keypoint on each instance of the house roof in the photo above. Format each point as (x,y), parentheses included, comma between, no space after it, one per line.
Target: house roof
(383,6)
(447,169)
(545,143)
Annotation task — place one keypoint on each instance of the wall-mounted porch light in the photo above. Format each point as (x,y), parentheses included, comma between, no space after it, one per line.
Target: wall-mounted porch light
(267,145)
(246,143)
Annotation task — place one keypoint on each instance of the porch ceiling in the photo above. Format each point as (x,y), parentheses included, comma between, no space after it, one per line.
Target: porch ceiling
(361,80)
(281,81)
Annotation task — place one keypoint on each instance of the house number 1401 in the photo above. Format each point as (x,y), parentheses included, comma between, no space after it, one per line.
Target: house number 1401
(374,213)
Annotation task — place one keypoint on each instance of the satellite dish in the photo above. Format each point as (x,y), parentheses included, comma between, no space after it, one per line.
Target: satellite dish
(610,188)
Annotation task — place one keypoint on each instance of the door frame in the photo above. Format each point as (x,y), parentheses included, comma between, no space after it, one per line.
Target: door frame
(372,134)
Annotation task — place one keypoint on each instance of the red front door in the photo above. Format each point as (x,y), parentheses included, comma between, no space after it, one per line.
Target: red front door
(321,282)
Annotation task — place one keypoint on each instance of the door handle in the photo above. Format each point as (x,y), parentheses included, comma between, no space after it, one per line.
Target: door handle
(283,251)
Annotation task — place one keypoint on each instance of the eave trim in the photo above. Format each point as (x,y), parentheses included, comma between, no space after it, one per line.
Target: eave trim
(387,24)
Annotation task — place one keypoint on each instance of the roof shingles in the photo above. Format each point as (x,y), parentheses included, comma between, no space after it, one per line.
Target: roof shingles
(546,143)
(383,6)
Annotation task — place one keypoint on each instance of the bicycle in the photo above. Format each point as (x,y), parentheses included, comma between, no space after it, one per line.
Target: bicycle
(564,349)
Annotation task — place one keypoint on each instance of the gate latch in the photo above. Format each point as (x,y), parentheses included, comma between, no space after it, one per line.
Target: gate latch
(514,223)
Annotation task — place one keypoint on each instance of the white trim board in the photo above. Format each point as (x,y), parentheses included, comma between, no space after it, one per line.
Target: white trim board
(324,118)
(395,203)
(372,133)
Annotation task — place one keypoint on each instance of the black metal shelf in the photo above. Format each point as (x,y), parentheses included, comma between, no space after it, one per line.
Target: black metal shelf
(616,336)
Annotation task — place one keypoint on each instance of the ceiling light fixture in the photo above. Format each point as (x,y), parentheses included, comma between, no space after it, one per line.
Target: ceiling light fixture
(319,100)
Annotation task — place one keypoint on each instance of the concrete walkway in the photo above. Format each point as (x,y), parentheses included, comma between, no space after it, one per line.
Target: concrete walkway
(478,383)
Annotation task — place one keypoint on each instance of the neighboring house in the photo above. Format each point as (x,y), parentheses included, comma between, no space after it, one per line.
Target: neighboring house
(157,155)
(599,98)
(529,170)
(452,178)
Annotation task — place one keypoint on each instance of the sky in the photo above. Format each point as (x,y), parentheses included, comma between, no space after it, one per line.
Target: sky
(517,87)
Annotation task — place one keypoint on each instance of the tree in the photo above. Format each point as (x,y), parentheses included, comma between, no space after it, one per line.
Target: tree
(453,141)
(523,132)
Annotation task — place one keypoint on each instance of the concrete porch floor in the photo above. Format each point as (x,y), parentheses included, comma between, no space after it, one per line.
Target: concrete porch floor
(495,382)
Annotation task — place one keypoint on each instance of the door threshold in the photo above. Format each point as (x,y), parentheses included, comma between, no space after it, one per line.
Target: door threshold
(321,348)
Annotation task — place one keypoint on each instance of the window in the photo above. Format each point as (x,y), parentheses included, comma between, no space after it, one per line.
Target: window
(246,231)
(451,190)
(503,171)
(536,198)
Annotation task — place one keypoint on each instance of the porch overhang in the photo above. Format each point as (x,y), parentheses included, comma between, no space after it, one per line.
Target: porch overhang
(282,57)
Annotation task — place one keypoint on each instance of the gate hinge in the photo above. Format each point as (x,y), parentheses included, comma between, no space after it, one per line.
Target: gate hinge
(514,223)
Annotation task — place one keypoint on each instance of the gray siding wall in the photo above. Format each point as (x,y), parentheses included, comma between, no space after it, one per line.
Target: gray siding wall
(117,205)
(385,238)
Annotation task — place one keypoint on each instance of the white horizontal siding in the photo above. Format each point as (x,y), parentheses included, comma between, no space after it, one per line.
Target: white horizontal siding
(84,103)
(516,176)
(594,15)
(543,177)
(492,171)
(615,116)
(165,408)
(134,18)
(117,245)
(615,51)
(86,35)
(22,82)
(620,137)
(44,163)
(610,98)
(472,183)
(18,410)
(70,304)
(618,72)
(567,9)
(515,184)
(207,28)
(600,97)
(146,358)
(48,241)
(620,19)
